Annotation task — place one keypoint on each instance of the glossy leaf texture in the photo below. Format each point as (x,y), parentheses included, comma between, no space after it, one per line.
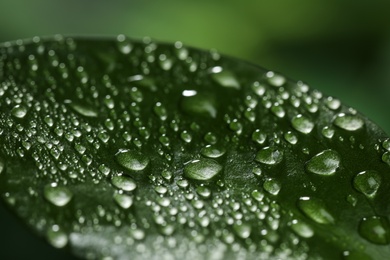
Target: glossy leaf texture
(121,149)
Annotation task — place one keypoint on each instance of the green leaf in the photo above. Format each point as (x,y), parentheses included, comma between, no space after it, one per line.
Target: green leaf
(138,150)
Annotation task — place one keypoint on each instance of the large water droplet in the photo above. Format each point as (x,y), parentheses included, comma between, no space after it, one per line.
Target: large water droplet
(124,182)
(203,169)
(324,163)
(57,195)
(302,124)
(315,209)
(195,103)
(123,200)
(19,111)
(348,122)
(57,237)
(269,155)
(375,229)
(132,160)
(367,182)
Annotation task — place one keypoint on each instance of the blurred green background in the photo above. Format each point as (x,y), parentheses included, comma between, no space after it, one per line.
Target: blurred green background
(339,47)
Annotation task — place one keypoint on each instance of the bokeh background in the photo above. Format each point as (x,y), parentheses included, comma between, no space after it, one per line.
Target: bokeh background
(339,47)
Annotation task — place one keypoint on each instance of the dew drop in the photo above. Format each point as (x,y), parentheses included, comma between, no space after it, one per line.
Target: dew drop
(302,124)
(19,111)
(259,136)
(367,182)
(194,103)
(202,170)
(242,230)
(132,160)
(57,237)
(269,156)
(375,229)
(348,122)
(204,192)
(332,103)
(291,137)
(84,110)
(123,200)
(213,151)
(224,78)
(2,165)
(324,163)
(272,186)
(57,195)
(315,209)
(124,182)
(327,132)
(274,79)
(386,158)
(386,144)
(302,229)
(257,195)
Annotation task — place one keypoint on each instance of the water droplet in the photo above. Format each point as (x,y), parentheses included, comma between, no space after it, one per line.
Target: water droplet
(124,182)
(348,122)
(367,182)
(124,45)
(386,158)
(204,192)
(84,109)
(302,229)
(242,230)
(186,137)
(19,111)
(202,170)
(269,155)
(274,79)
(259,136)
(352,200)
(123,200)
(386,144)
(272,186)
(315,209)
(324,163)
(332,103)
(57,237)
(328,132)
(2,165)
(278,111)
(258,88)
(224,78)
(132,160)
(198,104)
(302,124)
(291,137)
(160,111)
(213,151)
(57,195)
(375,229)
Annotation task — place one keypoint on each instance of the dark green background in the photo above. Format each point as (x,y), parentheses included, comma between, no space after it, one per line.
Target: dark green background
(339,47)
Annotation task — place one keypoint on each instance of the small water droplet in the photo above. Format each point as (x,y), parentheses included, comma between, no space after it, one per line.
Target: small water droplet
(269,155)
(224,78)
(204,192)
(202,170)
(132,160)
(259,136)
(302,124)
(124,182)
(272,186)
(367,182)
(332,103)
(258,88)
(2,165)
(348,122)
(386,158)
(274,79)
(386,144)
(84,109)
(302,229)
(315,209)
(352,200)
(242,230)
(291,137)
(328,132)
(57,195)
(278,111)
(213,151)
(195,103)
(57,237)
(375,229)
(19,111)
(324,163)
(123,200)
